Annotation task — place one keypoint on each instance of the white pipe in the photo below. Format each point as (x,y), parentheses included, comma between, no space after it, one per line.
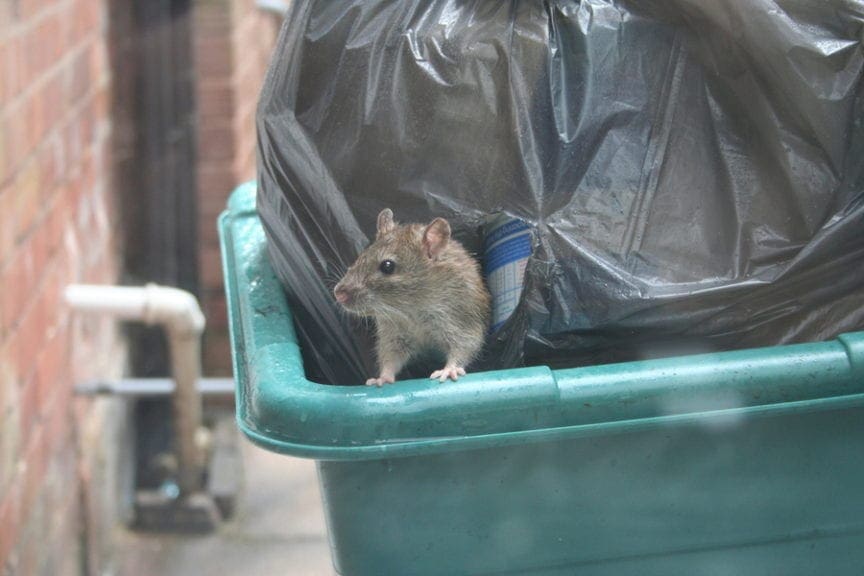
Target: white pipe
(278,7)
(121,302)
(151,387)
(178,313)
(176,309)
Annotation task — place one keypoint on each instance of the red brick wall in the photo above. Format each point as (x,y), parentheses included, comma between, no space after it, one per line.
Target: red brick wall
(55,229)
(233,42)
(58,488)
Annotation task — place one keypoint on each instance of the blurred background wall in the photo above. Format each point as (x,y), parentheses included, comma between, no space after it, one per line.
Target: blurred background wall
(124,125)
(233,42)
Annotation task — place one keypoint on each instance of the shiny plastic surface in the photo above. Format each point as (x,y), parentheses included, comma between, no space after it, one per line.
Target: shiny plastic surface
(692,169)
(744,462)
(280,408)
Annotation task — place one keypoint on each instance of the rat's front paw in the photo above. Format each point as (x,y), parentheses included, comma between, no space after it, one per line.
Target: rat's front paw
(380,381)
(452,372)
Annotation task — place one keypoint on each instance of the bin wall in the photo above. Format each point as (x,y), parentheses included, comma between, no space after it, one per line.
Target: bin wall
(764,494)
(743,462)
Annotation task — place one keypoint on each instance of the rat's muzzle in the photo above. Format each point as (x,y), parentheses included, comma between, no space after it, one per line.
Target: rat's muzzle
(345,294)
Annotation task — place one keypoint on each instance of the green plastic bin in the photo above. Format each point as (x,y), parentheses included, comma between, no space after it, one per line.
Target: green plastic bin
(746,462)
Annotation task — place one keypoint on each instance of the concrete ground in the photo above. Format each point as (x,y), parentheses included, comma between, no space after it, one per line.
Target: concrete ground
(278,529)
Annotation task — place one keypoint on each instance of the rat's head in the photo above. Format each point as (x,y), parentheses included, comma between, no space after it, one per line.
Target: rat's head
(393,273)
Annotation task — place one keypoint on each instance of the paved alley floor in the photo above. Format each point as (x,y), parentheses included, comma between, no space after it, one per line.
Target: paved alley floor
(278,529)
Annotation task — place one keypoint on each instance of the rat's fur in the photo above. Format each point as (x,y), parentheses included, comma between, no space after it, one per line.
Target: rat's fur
(434,299)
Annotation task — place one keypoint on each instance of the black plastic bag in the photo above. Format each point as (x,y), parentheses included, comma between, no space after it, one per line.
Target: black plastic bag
(692,170)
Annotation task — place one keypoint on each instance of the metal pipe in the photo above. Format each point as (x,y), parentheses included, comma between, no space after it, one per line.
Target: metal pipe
(178,313)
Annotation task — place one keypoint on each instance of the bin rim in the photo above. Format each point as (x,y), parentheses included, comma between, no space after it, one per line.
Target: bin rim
(278,408)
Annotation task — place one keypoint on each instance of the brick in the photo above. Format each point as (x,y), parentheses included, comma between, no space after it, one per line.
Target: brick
(10,430)
(11,358)
(216,313)
(18,138)
(27,195)
(94,271)
(55,146)
(215,103)
(51,370)
(215,144)
(217,354)
(86,18)
(244,127)
(210,268)
(8,376)
(60,420)
(49,174)
(67,42)
(7,235)
(11,68)
(208,236)
(26,9)
(102,102)
(79,80)
(10,439)
(28,411)
(41,239)
(213,58)
(33,535)
(10,521)
(8,18)
(50,100)
(86,120)
(212,23)
(5,56)
(215,182)
(58,491)
(212,17)
(18,272)
(71,148)
(88,161)
(55,223)
(244,130)
(245,167)
(97,62)
(63,542)
(5,168)
(208,214)
(43,47)
(36,116)
(30,334)
(35,463)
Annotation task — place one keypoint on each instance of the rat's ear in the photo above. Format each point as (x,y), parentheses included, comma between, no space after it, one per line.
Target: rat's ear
(385,222)
(435,237)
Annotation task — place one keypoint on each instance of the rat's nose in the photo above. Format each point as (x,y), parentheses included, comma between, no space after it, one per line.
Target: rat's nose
(343,295)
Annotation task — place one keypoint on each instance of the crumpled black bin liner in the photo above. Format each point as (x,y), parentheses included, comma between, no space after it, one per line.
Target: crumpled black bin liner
(693,170)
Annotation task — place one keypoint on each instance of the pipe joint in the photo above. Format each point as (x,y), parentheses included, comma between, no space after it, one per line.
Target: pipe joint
(178,313)
(173,308)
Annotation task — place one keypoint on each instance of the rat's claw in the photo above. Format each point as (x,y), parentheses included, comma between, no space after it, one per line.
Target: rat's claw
(380,381)
(452,372)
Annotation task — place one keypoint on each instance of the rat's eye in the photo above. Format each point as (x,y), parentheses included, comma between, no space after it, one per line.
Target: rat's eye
(387,267)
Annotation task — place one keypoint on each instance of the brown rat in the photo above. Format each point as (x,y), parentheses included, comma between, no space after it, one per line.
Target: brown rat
(424,291)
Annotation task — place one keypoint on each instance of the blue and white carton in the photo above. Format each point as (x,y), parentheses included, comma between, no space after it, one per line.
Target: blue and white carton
(507,247)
